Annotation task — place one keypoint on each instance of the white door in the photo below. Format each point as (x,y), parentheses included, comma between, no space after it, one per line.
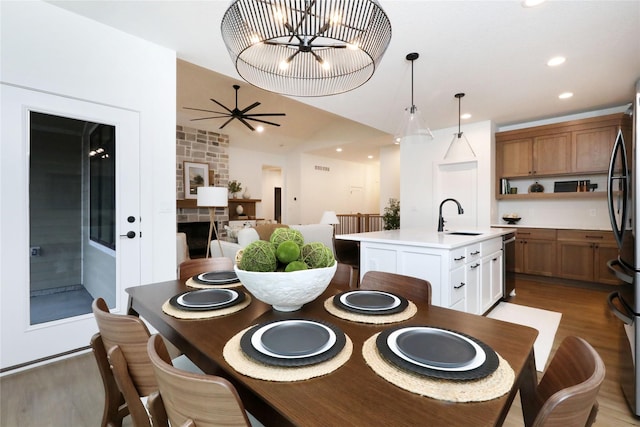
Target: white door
(65,225)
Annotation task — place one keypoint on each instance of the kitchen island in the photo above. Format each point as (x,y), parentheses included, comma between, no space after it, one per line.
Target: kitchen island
(464,267)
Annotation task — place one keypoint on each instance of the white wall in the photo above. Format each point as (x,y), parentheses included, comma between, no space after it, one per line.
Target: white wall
(420,160)
(389,175)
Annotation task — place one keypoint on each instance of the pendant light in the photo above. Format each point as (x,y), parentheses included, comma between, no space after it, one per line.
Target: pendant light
(412,124)
(306,47)
(459,146)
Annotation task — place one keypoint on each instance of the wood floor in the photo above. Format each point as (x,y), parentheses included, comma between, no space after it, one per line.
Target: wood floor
(69,392)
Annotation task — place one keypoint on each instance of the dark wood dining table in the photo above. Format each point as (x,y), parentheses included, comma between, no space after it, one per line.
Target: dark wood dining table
(352,395)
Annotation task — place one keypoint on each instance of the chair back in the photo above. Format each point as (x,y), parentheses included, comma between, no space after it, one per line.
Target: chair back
(192,399)
(567,392)
(348,252)
(195,266)
(412,288)
(125,340)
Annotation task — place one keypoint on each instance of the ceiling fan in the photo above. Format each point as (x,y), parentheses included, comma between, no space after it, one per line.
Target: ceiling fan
(236,113)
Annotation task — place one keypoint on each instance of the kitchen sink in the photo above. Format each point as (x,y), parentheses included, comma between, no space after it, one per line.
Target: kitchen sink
(463,233)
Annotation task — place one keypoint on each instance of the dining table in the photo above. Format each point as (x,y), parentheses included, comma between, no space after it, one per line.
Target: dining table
(353,394)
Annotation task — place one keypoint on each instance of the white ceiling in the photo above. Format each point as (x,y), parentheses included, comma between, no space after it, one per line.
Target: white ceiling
(494,51)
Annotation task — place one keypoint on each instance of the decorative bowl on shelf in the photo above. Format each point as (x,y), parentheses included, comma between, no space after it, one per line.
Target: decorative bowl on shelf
(511,220)
(287,291)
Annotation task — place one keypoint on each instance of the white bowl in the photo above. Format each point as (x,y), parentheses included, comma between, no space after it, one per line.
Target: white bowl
(287,291)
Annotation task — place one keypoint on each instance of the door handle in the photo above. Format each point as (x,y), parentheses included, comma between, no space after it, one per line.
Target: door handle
(459,286)
(130,234)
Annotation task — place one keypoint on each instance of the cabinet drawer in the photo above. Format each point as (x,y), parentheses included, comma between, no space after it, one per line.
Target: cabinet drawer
(586,235)
(490,246)
(458,257)
(536,233)
(473,252)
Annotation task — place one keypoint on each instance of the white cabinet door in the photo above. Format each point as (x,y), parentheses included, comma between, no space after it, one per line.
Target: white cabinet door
(497,276)
(473,287)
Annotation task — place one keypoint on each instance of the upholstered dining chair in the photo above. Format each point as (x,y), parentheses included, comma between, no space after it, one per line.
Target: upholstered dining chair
(123,339)
(412,288)
(566,395)
(187,399)
(348,253)
(195,266)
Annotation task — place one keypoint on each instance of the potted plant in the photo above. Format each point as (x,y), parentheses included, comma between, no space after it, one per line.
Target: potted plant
(391,215)
(234,187)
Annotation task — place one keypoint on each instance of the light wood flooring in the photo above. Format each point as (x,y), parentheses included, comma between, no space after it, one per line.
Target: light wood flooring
(69,392)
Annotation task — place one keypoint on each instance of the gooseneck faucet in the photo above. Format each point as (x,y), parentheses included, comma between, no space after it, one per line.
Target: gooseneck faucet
(440,219)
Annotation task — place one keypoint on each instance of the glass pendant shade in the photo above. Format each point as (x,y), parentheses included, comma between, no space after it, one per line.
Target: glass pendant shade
(459,148)
(306,47)
(412,125)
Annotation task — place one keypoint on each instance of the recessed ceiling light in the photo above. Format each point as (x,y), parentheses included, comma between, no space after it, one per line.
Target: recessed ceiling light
(465,116)
(565,95)
(532,3)
(369,156)
(260,128)
(556,60)
(339,150)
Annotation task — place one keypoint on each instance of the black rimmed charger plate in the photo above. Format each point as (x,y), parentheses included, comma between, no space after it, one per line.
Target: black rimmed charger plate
(486,368)
(370,302)
(283,338)
(216,278)
(207,299)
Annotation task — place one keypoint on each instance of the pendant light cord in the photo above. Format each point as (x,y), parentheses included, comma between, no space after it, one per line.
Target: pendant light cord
(459,96)
(412,57)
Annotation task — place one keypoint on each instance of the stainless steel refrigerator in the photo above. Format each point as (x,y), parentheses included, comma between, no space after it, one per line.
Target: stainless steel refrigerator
(624,211)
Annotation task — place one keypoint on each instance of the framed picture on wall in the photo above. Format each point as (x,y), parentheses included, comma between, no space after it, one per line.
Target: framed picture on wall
(195,175)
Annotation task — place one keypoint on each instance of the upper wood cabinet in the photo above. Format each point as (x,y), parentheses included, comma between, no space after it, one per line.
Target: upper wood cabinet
(578,147)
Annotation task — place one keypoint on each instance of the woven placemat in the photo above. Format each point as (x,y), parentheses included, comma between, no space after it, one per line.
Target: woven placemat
(208,314)
(487,388)
(239,361)
(378,319)
(193,284)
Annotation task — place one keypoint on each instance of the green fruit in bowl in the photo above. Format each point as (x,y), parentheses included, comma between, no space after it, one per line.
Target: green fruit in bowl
(317,255)
(288,251)
(296,266)
(284,234)
(259,256)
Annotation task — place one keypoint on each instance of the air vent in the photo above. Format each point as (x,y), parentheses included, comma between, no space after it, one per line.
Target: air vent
(323,168)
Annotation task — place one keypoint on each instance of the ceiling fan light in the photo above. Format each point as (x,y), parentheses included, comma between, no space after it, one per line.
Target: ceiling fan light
(297,30)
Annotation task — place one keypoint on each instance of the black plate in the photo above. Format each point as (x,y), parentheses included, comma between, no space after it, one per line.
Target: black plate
(216,278)
(372,302)
(487,368)
(251,351)
(295,338)
(213,294)
(436,347)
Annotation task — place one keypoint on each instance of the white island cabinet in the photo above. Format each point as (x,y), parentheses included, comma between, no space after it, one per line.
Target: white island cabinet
(465,269)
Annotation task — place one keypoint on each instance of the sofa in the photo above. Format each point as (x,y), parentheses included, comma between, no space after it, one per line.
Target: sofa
(311,233)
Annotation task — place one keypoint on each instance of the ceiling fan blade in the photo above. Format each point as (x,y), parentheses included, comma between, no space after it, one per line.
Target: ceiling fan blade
(200,109)
(252,106)
(262,121)
(212,117)
(230,111)
(245,123)
(263,114)
(226,123)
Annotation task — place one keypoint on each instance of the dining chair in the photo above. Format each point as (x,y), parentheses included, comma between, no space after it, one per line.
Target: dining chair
(123,338)
(187,399)
(342,277)
(566,395)
(412,288)
(348,252)
(195,266)
(115,407)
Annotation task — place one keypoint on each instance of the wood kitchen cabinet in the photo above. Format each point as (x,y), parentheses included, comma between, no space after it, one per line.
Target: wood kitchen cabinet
(583,255)
(573,148)
(536,251)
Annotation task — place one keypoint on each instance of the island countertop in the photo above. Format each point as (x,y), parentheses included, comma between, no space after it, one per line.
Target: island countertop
(428,238)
